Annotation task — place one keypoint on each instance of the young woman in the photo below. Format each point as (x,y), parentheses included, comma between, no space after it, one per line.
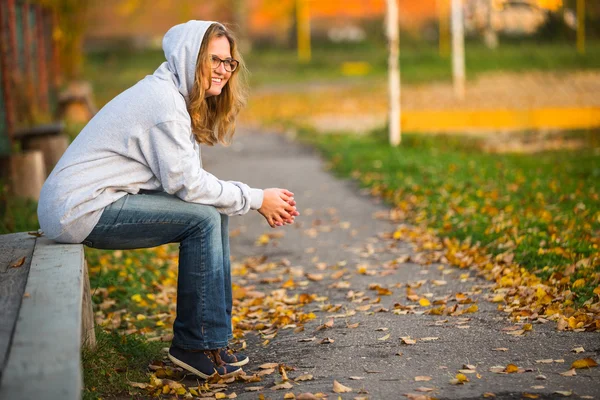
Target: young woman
(133,178)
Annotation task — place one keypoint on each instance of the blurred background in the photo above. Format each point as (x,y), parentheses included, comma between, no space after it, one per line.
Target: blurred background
(531,66)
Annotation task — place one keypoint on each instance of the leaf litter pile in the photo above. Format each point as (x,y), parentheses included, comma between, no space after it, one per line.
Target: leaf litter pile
(529,223)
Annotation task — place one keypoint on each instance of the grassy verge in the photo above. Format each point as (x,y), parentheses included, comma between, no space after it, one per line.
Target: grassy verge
(134,301)
(541,209)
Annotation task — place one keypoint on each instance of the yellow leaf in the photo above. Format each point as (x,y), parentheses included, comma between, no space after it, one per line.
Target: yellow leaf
(472,309)
(136,297)
(339,388)
(499,298)
(579,283)
(263,240)
(289,395)
(140,317)
(511,369)
(527,327)
(386,337)
(584,363)
(424,302)
(597,291)
(461,378)
(220,395)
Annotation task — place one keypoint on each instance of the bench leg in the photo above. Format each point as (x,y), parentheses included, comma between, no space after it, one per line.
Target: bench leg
(88,336)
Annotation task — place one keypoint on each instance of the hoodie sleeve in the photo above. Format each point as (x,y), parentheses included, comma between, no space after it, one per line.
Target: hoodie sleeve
(171,157)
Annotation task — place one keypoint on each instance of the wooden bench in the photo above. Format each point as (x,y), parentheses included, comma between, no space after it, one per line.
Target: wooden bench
(45,318)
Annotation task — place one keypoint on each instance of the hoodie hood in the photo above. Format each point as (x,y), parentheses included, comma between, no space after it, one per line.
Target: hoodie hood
(181,45)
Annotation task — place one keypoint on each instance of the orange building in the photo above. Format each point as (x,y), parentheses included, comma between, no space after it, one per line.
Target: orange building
(146,19)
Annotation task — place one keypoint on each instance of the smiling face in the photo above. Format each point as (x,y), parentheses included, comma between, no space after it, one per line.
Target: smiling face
(217,79)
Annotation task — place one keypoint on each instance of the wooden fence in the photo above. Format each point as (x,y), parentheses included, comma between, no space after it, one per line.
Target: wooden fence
(28,68)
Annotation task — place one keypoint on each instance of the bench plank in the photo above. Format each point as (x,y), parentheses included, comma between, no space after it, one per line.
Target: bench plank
(44,359)
(12,285)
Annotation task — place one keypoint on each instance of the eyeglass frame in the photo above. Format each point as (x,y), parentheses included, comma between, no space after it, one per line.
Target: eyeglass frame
(229,61)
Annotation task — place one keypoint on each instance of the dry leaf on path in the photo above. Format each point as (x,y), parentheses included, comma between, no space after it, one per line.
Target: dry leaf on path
(285,385)
(305,377)
(268,365)
(339,388)
(570,372)
(386,337)
(422,378)
(18,263)
(578,350)
(584,363)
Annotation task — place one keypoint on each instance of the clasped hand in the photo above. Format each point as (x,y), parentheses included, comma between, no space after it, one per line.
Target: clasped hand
(278,207)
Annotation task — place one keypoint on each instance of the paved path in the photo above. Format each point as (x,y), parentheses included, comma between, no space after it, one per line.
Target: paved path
(337,225)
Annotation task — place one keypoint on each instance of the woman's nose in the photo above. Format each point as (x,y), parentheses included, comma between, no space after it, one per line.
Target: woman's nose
(221,69)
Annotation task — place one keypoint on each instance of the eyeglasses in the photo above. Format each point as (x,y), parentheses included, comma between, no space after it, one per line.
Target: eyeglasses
(229,63)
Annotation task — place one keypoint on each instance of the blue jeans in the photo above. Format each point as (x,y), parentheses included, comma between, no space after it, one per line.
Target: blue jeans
(204,298)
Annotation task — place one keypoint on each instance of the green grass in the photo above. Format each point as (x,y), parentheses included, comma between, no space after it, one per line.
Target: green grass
(545,208)
(116,361)
(112,72)
(16,215)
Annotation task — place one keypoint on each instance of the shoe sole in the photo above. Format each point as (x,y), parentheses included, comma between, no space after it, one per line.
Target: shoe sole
(193,370)
(239,363)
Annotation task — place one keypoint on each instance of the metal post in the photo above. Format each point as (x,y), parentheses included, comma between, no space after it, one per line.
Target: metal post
(458,49)
(303,30)
(581,26)
(394,72)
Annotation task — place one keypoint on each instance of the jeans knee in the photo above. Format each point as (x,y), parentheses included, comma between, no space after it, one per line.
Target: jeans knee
(208,219)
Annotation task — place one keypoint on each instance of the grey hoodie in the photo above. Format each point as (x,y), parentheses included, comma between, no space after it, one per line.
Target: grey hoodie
(141,139)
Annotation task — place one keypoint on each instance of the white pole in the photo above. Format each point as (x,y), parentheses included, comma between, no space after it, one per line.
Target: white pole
(393,71)
(458,49)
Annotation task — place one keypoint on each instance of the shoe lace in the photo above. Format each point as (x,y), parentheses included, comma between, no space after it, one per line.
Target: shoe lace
(215,357)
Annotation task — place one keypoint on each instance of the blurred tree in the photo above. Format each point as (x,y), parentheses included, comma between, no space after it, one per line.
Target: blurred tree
(68,33)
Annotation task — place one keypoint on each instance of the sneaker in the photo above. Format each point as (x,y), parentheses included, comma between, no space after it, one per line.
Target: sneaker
(204,363)
(231,358)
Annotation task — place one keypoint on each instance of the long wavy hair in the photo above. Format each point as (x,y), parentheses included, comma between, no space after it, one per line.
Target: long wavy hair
(213,118)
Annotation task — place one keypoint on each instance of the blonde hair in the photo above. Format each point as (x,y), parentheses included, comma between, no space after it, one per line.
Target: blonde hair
(213,118)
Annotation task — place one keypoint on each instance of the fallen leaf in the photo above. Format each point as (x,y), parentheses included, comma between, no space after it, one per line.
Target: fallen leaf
(459,379)
(306,396)
(500,349)
(488,395)
(541,377)
(538,387)
(564,393)
(357,378)
(423,302)
(570,372)
(314,277)
(311,339)
(428,339)
(339,388)
(424,389)
(530,395)
(268,365)
(545,361)
(289,395)
(254,388)
(327,341)
(584,363)
(511,369)
(326,325)
(386,337)
(18,263)
(139,385)
(578,350)
(305,377)
(285,385)
(408,340)
(422,378)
